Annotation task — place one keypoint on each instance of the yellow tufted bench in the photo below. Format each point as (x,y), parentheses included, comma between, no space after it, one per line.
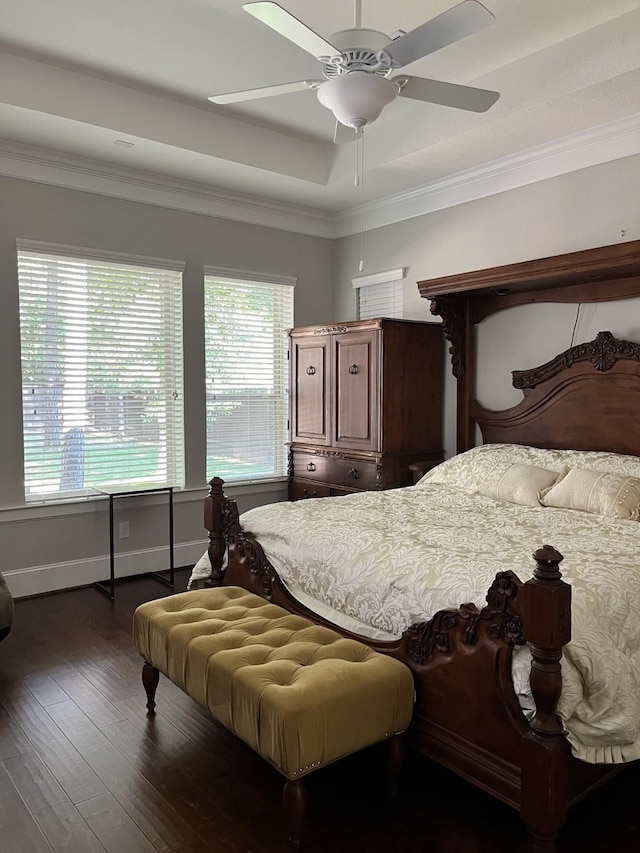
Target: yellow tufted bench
(300,695)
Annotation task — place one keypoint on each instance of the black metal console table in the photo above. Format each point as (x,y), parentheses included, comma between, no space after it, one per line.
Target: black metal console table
(108,588)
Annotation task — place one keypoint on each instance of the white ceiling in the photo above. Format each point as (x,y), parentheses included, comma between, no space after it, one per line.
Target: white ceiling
(78,75)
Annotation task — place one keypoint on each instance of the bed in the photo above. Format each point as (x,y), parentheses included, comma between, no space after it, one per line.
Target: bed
(482,624)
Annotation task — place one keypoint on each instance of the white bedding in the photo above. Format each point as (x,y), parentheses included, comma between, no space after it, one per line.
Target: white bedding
(391,558)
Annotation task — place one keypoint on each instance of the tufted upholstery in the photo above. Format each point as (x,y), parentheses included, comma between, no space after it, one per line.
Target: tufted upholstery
(299,694)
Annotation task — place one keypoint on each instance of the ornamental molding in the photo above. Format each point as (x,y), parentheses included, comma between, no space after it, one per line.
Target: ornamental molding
(247,550)
(498,620)
(45,166)
(328,330)
(452,310)
(601,144)
(603,352)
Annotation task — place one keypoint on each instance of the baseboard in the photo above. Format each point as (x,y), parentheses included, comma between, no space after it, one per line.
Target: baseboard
(36,580)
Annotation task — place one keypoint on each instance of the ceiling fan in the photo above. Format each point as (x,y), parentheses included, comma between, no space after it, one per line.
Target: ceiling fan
(357,64)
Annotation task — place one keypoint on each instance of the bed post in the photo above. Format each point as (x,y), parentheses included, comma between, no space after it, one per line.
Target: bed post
(546,616)
(459,330)
(214,514)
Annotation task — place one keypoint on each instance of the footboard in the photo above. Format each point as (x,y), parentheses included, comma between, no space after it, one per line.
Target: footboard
(467,716)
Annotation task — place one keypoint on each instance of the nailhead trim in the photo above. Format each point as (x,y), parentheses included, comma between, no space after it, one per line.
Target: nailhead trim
(308,767)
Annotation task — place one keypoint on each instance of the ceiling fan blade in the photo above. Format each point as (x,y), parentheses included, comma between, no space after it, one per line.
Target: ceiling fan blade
(342,134)
(448,94)
(291,28)
(455,24)
(254,94)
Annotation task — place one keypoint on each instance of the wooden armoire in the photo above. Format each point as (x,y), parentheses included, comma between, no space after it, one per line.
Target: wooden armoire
(365,403)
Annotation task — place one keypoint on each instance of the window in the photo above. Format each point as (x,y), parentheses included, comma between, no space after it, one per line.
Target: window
(380,294)
(101,370)
(246,320)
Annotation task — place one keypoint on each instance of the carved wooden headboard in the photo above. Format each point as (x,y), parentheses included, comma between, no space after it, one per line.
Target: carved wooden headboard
(587,398)
(553,411)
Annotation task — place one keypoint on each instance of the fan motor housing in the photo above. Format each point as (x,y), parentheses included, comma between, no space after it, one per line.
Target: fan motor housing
(360,50)
(355,39)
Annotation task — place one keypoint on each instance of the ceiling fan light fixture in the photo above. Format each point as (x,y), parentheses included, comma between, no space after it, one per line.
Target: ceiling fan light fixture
(357,98)
(358,63)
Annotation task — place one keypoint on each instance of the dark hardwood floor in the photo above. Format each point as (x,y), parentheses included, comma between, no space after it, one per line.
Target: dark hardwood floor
(83,769)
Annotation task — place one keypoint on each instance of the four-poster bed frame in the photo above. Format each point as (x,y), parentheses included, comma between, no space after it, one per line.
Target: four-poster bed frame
(467,715)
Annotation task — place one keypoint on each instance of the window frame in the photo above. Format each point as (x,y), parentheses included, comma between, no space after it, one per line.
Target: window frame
(392,279)
(173,446)
(280,423)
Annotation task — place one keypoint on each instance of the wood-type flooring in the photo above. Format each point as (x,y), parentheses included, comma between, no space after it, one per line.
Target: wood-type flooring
(84,770)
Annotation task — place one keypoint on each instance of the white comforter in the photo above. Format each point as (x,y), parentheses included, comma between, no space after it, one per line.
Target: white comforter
(392,558)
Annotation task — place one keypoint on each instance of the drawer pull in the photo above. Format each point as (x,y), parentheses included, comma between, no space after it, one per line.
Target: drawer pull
(311,467)
(353,368)
(353,474)
(311,370)
(309,494)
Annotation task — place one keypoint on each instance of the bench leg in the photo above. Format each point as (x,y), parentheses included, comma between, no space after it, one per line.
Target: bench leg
(394,756)
(294,801)
(150,678)
(537,843)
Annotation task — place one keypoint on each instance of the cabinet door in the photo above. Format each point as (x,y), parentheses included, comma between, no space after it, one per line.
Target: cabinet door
(356,405)
(309,398)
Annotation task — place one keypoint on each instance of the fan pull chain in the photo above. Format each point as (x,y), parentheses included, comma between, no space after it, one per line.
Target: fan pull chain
(361,264)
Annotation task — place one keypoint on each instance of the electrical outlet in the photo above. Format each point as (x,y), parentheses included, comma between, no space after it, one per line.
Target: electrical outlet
(123,530)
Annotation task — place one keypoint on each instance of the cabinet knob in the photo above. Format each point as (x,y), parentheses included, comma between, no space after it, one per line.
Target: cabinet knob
(354,474)
(353,368)
(311,370)
(311,467)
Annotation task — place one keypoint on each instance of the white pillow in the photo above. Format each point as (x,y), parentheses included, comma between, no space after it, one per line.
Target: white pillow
(518,483)
(598,460)
(613,495)
(469,469)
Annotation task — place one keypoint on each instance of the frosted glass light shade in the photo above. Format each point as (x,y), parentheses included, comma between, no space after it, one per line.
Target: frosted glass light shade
(357,98)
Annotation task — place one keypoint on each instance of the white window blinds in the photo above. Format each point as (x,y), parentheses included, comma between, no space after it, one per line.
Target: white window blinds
(380,294)
(246,322)
(102,377)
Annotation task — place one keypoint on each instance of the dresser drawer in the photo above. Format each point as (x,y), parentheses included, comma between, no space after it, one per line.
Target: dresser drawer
(337,468)
(302,489)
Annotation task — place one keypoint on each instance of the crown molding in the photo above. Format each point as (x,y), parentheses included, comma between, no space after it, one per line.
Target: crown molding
(601,144)
(42,165)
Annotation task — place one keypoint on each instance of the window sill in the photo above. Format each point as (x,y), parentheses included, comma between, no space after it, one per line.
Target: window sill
(89,504)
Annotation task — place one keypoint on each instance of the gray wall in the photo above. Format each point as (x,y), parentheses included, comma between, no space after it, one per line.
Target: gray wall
(52,547)
(37,540)
(576,211)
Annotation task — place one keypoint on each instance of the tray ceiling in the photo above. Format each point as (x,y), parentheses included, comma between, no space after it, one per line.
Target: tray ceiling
(127,83)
